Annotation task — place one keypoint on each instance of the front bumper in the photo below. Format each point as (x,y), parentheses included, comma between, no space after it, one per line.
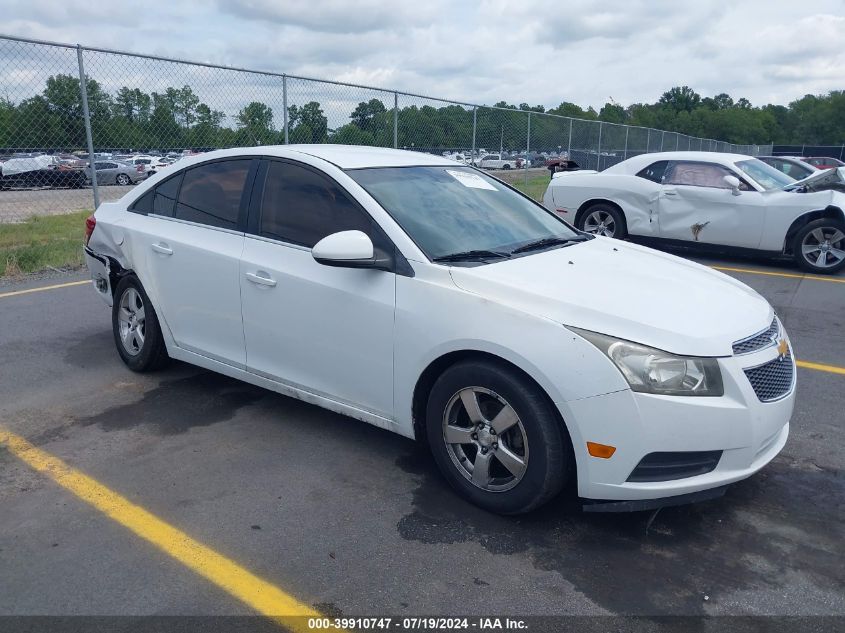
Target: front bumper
(748,432)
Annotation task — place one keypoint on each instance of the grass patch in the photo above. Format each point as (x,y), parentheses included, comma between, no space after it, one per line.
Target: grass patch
(50,241)
(534,187)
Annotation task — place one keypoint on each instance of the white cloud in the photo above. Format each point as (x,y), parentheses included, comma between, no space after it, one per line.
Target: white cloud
(531,51)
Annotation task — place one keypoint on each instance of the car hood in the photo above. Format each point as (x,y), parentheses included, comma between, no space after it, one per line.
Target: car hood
(627,291)
(829,179)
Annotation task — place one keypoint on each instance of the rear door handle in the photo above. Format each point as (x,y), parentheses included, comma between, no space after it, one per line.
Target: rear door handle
(162,248)
(261,278)
(670,192)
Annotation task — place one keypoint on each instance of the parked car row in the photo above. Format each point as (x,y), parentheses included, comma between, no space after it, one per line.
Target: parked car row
(716,201)
(74,170)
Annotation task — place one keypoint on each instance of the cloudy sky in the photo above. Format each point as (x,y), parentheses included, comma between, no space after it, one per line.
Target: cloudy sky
(540,52)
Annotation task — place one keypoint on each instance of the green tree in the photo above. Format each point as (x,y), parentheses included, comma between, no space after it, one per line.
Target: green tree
(367,114)
(312,122)
(255,124)
(681,98)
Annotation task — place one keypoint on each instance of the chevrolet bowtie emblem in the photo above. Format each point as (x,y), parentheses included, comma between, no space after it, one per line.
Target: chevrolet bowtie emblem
(783,348)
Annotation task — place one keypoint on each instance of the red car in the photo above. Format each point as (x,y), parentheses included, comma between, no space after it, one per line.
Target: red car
(823,162)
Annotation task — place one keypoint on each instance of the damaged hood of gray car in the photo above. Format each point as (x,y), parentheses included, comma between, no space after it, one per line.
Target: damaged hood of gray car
(828,180)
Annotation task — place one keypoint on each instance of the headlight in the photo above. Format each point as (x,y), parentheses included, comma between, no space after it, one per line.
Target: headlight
(650,370)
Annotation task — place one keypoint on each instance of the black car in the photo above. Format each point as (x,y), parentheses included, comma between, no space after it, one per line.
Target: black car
(40,171)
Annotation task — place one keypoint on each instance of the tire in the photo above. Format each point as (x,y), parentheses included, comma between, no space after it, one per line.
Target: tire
(138,340)
(819,246)
(603,219)
(506,166)
(536,438)
(123,179)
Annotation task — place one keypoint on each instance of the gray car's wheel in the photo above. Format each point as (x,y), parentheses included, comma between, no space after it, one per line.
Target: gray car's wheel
(819,246)
(603,219)
(496,437)
(123,179)
(137,333)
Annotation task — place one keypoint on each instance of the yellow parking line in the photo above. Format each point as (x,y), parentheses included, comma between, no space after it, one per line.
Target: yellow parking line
(752,271)
(259,594)
(15,293)
(833,369)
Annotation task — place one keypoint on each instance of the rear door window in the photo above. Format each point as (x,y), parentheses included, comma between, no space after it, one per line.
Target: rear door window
(211,193)
(164,200)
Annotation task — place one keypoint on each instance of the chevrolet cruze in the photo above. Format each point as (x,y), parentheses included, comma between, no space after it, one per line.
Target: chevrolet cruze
(430,299)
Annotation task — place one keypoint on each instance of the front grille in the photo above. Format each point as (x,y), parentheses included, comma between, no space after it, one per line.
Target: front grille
(758,341)
(772,380)
(669,466)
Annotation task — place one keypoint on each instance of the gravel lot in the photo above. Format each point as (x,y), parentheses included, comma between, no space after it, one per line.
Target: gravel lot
(17,205)
(355,520)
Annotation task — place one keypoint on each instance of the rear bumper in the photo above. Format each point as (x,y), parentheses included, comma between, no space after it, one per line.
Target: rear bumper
(99,267)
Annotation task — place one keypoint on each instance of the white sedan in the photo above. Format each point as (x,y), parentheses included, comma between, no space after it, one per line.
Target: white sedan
(434,301)
(706,199)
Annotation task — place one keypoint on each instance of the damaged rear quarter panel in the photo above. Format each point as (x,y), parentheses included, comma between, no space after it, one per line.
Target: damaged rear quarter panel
(637,197)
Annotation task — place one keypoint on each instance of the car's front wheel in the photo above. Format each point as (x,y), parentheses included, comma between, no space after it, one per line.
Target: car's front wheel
(819,246)
(496,437)
(123,179)
(137,333)
(602,219)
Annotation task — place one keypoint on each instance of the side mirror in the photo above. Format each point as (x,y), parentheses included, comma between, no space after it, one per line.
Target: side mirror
(348,249)
(733,183)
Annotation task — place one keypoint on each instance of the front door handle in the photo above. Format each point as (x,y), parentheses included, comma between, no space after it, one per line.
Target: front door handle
(162,248)
(670,192)
(261,278)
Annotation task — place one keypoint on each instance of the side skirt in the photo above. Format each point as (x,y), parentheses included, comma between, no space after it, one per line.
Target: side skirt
(286,390)
(704,247)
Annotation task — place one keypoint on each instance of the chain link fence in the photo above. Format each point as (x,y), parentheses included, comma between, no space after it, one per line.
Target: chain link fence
(134,115)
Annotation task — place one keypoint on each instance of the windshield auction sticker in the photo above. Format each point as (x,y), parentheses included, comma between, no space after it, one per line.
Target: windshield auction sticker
(474,181)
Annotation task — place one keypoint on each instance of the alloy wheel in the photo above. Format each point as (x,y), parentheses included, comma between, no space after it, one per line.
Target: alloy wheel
(600,223)
(132,321)
(485,439)
(824,247)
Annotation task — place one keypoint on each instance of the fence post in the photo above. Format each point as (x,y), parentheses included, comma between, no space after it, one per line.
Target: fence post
(648,141)
(395,120)
(841,151)
(285,105)
(527,148)
(662,136)
(569,145)
(627,129)
(598,151)
(472,156)
(86,114)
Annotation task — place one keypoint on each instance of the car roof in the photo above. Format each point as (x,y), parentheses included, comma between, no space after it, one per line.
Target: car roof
(635,163)
(343,156)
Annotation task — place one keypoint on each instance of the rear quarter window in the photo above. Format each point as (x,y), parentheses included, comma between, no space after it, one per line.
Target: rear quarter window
(654,172)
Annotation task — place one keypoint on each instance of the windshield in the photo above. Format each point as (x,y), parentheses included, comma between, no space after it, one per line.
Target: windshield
(448,210)
(764,175)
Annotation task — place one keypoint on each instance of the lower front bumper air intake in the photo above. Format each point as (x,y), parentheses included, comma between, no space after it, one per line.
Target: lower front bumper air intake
(675,465)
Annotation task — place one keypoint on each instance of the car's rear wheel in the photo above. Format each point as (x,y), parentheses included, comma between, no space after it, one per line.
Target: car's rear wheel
(819,246)
(123,179)
(496,437)
(603,219)
(137,333)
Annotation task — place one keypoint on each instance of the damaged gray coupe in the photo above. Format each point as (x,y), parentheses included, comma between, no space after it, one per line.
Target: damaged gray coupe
(711,201)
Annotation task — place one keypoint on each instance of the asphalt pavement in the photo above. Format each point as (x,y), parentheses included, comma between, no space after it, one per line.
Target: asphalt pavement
(354,520)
